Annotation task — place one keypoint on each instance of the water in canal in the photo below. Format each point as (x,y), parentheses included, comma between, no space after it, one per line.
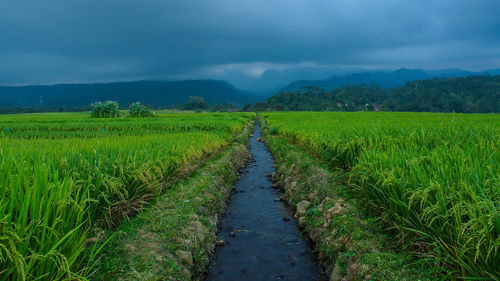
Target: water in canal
(261,243)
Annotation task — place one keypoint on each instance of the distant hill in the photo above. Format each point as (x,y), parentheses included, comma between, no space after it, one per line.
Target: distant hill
(155,93)
(273,80)
(458,94)
(383,79)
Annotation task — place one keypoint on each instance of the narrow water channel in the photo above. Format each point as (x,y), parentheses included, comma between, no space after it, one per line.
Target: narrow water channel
(263,241)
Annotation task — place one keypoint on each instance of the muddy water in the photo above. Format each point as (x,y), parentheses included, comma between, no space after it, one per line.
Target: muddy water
(261,243)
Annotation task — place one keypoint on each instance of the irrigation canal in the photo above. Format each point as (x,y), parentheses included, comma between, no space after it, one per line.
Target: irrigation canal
(263,241)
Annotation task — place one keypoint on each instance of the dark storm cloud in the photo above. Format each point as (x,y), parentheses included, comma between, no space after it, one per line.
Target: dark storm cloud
(88,40)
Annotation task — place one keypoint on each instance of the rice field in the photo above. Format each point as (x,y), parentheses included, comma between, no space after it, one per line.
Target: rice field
(434,179)
(62,176)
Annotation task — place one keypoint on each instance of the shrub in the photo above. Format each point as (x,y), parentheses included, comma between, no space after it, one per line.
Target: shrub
(104,109)
(138,109)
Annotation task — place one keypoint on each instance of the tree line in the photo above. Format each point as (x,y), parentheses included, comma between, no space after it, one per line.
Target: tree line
(472,94)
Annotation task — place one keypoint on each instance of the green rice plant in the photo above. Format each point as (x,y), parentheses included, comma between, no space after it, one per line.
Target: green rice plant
(42,226)
(433,178)
(64,175)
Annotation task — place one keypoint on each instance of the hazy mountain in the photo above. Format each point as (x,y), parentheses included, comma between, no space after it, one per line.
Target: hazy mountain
(155,93)
(272,80)
(444,73)
(383,79)
(492,71)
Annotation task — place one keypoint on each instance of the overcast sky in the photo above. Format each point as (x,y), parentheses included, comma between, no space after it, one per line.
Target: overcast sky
(52,41)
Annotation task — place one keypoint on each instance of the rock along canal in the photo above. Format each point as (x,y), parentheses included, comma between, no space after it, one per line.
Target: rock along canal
(262,239)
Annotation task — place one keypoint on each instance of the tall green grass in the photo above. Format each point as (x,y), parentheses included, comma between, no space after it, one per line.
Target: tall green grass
(435,178)
(61,176)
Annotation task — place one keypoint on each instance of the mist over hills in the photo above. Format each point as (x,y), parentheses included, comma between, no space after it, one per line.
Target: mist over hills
(273,80)
(383,79)
(291,79)
(155,93)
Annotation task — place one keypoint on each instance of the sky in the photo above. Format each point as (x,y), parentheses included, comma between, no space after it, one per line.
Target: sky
(56,41)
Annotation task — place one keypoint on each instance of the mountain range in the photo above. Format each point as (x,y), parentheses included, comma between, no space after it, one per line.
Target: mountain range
(383,79)
(159,94)
(164,94)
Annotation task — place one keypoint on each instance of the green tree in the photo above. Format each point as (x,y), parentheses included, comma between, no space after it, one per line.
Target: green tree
(195,102)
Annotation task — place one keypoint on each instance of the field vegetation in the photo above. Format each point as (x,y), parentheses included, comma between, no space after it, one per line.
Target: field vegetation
(64,175)
(433,179)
